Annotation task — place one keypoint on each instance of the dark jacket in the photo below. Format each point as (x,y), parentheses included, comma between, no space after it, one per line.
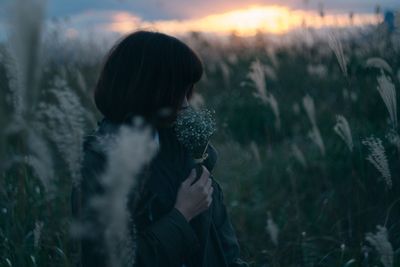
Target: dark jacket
(163,236)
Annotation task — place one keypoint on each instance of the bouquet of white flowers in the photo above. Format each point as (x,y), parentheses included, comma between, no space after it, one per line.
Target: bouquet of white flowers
(194,129)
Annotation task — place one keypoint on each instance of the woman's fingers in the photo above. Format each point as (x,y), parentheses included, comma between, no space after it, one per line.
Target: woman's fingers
(208,201)
(208,185)
(211,189)
(203,178)
(205,194)
(192,199)
(205,173)
(191,178)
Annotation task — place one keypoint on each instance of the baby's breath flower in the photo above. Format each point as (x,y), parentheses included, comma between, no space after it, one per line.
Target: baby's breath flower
(194,128)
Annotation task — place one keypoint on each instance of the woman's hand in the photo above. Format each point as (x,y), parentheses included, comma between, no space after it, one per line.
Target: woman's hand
(194,199)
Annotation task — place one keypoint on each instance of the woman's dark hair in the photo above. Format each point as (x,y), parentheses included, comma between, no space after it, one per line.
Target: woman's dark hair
(146,74)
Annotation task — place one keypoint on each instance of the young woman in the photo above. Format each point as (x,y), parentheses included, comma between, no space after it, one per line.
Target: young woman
(177,223)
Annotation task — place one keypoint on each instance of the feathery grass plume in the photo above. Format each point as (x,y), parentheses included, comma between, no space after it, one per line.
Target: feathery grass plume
(296,108)
(320,71)
(232,58)
(81,82)
(349,263)
(387,91)
(3,122)
(275,109)
(308,104)
(394,138)
(257,76)
(270,73)
(128,151)
(272,229)
(298,154)
(309,251)
(377,157)
(2,145)
(380,241)
(24,45)
(82,85)
(37,233)
(40,159)
(398,75)
(314,134)
(254,149)
(342,129)
(378,63)
(272,56)
(225,72)
(63,122)
(336,45)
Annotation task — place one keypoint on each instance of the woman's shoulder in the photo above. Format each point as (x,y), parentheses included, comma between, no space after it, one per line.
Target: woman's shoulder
(95,142)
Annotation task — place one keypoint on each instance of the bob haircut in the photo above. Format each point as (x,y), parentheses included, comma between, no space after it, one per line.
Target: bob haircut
(146,74)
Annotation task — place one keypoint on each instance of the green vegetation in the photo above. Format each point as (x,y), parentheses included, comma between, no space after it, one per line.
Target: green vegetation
(304,187)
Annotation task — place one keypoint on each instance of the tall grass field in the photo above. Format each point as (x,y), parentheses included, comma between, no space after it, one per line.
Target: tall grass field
(307,136)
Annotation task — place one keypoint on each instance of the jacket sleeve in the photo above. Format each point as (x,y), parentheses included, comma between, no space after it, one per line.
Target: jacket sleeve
(226,231)
(164,242)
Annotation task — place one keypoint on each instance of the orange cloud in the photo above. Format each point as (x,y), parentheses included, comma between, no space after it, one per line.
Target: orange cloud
(245,22)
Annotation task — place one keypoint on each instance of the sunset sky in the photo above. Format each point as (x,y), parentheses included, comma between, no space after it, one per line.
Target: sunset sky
(217,16)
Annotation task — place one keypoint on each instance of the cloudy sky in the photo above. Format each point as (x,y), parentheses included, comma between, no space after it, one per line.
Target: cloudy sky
(208,15)
(185,9)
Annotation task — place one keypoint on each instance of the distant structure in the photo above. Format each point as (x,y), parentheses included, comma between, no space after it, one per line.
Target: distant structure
(389,21)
